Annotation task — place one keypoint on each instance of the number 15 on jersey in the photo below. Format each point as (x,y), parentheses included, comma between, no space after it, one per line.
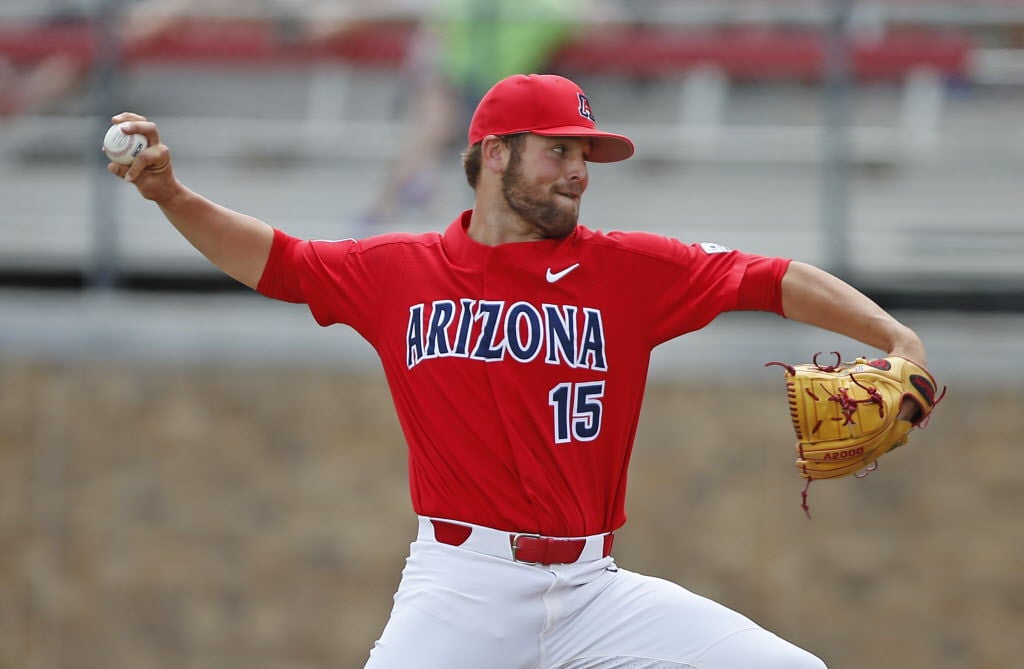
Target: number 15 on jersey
(577,410)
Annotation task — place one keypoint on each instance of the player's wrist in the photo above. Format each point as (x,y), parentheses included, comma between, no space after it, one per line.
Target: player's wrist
(175,197)
(908,345)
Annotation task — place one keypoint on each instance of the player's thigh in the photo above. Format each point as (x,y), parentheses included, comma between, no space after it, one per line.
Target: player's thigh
(455,608)
(649,623)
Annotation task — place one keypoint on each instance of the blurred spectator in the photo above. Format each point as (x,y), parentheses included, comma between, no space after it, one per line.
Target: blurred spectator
(461,49)
(25,88)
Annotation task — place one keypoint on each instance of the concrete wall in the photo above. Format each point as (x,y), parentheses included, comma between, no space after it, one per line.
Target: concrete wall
(214,517)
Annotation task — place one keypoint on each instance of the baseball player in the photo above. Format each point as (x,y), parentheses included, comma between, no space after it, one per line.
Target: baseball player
(516,345)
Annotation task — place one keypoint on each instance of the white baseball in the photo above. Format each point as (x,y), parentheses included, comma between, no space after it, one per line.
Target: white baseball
(122,148)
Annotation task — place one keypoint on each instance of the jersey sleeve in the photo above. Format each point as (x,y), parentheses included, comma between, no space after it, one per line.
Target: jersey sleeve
(691,284)
(761,286)
(320,274)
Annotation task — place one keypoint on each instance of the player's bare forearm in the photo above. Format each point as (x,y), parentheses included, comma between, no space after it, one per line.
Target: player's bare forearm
(813,296)
(236,243)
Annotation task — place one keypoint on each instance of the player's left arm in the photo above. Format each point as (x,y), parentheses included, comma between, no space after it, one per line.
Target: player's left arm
(813,296)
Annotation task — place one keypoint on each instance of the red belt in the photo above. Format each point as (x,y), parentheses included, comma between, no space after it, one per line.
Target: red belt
(525,547)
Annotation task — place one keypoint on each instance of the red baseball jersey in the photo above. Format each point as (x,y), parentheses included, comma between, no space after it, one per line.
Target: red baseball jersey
(518,370)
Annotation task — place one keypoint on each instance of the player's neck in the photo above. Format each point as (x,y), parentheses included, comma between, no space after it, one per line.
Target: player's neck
(492,225)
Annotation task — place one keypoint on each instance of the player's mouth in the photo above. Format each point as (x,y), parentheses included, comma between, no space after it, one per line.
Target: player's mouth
(573,194)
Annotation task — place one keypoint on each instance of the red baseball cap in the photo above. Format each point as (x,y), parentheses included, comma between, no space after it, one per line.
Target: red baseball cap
(548,105)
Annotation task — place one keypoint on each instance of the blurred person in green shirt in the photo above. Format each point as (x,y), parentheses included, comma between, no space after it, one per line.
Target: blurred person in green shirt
(462,48)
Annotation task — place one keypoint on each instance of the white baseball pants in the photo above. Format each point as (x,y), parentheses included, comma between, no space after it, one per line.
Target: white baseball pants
(460,609)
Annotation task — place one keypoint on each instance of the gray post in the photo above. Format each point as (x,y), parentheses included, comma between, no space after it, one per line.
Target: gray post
(835,203)
(103,268)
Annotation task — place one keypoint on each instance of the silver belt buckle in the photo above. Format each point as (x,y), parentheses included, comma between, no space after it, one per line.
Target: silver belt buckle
(515,545)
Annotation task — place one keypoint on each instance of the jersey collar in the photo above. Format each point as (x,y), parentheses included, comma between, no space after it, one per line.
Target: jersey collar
(467,252)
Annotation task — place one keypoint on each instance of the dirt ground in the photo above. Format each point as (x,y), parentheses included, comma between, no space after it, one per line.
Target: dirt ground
(219,518)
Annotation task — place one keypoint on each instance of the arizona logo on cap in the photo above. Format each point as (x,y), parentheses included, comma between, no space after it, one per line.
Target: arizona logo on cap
(585,110)
(547,105)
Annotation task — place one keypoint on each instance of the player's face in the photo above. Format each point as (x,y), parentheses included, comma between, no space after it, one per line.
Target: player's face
(544,182)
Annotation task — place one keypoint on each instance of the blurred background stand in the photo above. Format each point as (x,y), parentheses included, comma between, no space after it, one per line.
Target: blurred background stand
(810,129)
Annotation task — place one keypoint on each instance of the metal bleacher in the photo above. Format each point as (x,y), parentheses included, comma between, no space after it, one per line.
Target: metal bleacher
(724,96)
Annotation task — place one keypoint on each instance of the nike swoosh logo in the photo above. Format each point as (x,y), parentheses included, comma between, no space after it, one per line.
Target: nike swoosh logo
(558,276)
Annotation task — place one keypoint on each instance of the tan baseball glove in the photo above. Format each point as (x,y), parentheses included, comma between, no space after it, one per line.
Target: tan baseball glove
(846,416)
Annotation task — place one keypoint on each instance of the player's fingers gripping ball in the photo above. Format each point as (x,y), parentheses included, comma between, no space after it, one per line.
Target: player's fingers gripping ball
(121,147)
(846,416)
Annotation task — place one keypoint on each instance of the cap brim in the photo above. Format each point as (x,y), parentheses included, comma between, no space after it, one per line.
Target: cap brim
(607,147)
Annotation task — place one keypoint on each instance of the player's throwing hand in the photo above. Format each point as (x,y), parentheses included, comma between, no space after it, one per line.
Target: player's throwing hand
(151,170)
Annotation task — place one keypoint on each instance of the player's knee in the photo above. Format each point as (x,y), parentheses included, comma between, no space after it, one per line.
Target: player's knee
(789,657)
(757,648)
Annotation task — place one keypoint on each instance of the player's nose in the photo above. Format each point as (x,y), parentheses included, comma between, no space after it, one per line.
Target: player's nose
(576,170)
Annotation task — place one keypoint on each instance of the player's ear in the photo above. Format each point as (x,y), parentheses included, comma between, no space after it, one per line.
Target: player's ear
(494,153)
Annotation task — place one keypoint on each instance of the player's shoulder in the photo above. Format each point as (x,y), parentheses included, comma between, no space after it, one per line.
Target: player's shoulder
(635,242)
(383,242)
(400,239)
